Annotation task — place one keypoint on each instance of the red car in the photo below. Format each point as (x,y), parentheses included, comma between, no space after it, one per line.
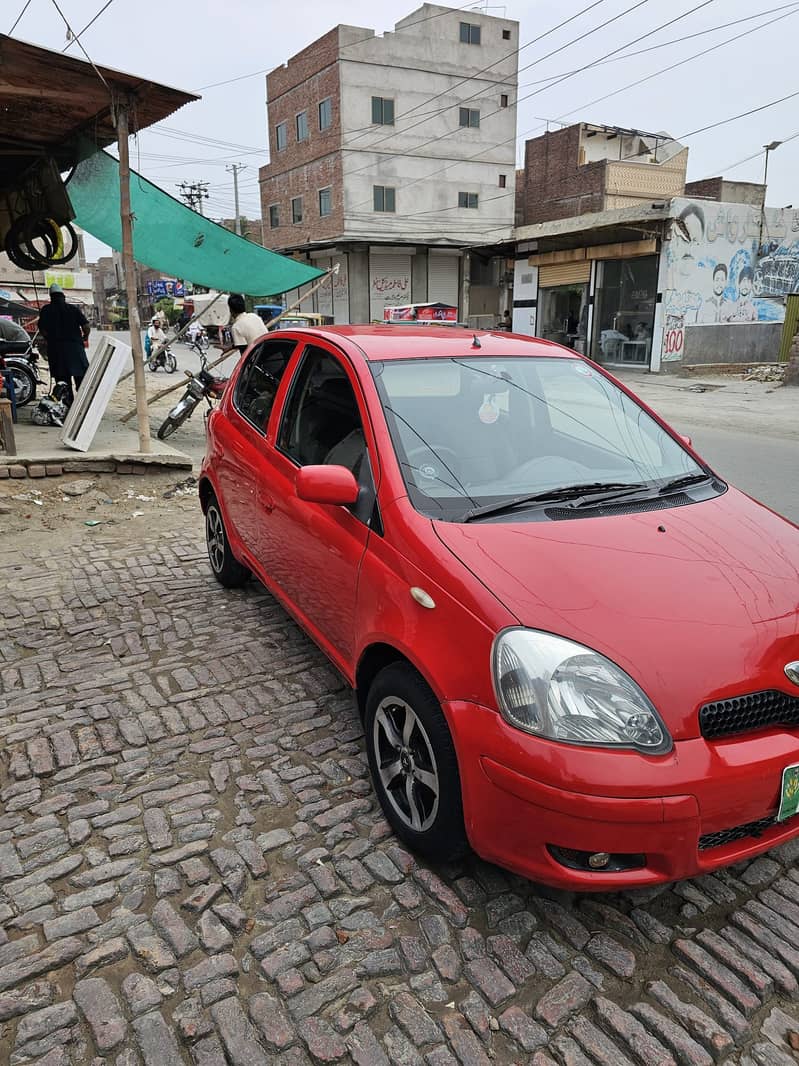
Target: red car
(573,646)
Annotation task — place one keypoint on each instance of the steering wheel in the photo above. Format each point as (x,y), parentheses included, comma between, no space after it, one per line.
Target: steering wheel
(434,462)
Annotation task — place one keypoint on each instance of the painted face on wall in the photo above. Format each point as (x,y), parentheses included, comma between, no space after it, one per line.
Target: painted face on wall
(688,236)
(719,282)
(745,286)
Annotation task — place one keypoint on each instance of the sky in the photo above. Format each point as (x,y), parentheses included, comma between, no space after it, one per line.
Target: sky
(192,49)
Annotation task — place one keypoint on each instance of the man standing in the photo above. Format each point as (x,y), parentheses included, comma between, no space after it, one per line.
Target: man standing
(66,331)
(245,326)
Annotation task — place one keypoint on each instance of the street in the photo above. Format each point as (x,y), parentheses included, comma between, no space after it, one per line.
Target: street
(194,869)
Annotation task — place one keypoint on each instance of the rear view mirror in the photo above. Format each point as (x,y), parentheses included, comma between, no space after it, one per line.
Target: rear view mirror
(334,485)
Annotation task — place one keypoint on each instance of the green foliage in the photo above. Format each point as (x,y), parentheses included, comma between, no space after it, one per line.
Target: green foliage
(166,307)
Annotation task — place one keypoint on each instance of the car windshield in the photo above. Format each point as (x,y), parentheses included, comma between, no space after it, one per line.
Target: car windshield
(476,434)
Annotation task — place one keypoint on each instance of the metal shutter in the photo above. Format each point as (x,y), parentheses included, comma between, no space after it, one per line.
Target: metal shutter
(564,274)
(442,278)
(389,282)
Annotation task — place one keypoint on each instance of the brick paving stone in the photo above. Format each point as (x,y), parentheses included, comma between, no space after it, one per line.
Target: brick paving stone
(10,866)
(784,980)
(542,958)
(69,924)
(213,935)
(271,1020)
(90,897)
(731,987)
(202,897)
(36,1025)
(464,1043)
(156,1040)
(286,957)
(221,988)
(312,1000)
(102,1011)
(487,977)
(192,1021)
(687,1051)
(730,1016)
(570,1052)
(23,1000)
(414,952)
(323,1042)
(109,951)
(237,1034)
(447,961)
(475,1010)
(767,938)
(411,1016)
(209,970)
(570,994)
(209,1052)
(148,946)
(443,895)
(607,950)
(53,957)
(760,983)
(364,1048)
(595,1043)
(141,993)
(505,952)
(565,922)
(521,1027)
(156,826)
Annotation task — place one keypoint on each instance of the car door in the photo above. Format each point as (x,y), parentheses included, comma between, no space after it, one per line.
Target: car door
(245,452)
(313,551)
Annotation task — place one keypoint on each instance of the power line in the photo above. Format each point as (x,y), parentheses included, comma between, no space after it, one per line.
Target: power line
(69,44)
(756,155)
(194,193)
(18,19)
(743,114)
(74,37)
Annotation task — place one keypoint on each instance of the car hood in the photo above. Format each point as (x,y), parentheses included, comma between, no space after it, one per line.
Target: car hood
(696,603)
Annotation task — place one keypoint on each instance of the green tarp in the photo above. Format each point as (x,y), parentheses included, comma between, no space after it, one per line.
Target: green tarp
(171,238)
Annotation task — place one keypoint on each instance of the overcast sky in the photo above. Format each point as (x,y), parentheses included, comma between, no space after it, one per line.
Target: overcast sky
(184,46)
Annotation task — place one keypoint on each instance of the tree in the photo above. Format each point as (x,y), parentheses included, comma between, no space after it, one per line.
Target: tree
(166,307)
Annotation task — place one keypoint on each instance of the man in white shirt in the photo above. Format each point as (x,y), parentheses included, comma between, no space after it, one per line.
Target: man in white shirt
(245,326)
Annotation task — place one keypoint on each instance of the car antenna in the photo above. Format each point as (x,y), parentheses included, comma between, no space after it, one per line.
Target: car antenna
(476,343)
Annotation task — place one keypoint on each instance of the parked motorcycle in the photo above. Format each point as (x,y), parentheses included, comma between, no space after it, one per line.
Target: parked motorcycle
(22,360)
(163,358)
(203,385)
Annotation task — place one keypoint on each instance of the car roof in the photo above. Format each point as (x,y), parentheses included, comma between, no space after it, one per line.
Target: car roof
(378,342)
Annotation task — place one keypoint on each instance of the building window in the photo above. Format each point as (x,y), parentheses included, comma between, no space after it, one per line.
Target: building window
(281,136)
(302,126)
(470,34)
(385,198)
(503,100)
(274,216)
(296,210)
(506,35)
(502,181)
(382,111)
(470,116)
(467,199)
(326,114)
(325,203)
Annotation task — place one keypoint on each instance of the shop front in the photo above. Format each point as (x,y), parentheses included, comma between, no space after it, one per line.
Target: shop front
(624,310)
(563,303)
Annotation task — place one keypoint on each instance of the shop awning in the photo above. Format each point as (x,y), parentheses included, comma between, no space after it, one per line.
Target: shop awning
(168,236)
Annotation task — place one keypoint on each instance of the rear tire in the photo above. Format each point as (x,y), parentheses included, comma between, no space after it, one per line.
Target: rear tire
(413,764)
(24,384)
(152,365)
(227,570)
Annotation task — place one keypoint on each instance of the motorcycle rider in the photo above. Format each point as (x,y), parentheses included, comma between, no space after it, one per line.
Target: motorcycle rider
(156,334)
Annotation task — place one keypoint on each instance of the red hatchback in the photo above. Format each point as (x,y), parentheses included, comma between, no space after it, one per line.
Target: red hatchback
(574,647)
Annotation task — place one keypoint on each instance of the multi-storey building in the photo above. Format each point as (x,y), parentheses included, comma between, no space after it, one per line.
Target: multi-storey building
(394,155)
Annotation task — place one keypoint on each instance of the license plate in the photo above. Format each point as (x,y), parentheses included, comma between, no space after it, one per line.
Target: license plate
(789,793)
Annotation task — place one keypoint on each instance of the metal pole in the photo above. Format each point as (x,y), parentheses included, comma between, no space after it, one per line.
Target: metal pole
(763,205)
(234,169)
(134,323)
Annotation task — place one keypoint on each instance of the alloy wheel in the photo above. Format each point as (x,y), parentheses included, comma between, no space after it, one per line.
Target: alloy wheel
(215,538)
(406,763)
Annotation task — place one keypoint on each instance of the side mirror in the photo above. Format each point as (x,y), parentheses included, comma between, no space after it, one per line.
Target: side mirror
(334,485)
(687,440)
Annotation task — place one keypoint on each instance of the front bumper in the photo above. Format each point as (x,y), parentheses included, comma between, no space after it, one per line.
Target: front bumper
(522,794)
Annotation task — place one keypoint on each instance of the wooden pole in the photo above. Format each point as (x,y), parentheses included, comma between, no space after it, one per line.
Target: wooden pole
(134,322)
(231,351)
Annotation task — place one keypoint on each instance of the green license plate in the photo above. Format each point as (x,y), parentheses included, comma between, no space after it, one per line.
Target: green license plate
(789,793)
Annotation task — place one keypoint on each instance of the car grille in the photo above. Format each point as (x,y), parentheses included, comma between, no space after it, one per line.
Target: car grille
(738,832)
(745,714)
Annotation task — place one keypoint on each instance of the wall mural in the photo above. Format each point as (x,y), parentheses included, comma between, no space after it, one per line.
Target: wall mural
(714,274)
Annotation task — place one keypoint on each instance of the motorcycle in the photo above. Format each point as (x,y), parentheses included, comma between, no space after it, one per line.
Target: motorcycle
(203,385)
(163,358)
(199,342)
(22,360)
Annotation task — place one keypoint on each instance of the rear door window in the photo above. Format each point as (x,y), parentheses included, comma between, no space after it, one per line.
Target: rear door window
(259,379)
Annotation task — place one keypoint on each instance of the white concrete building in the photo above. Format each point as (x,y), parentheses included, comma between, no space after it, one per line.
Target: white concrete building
(394,155)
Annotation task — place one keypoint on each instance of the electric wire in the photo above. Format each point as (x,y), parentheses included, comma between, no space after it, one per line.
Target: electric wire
(18,19)
(91,22)
(89,59)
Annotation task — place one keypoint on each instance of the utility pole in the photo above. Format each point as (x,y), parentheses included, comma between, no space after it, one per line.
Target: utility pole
(134,322)
(194,193)
(234,169)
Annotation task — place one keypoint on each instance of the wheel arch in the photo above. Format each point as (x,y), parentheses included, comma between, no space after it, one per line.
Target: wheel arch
(375,658)
(206,491)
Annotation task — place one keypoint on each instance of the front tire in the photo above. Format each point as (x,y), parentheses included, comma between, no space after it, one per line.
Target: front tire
(24,384)
(171,363)
(413,764)
(227,570)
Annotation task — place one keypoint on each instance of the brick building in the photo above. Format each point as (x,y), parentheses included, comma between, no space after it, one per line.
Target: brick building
(392,155)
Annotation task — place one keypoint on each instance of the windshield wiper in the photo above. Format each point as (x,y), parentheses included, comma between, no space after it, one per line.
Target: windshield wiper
(682,482)
(593,493)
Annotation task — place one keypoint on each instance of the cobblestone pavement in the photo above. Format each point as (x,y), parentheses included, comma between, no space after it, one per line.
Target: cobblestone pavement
(193,869)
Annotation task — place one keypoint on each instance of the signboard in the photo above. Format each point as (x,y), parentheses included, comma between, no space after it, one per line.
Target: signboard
(68,279)
(165,287)
(421,313)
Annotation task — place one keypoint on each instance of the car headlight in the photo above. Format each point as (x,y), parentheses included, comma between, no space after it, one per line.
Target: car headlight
(561,690)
